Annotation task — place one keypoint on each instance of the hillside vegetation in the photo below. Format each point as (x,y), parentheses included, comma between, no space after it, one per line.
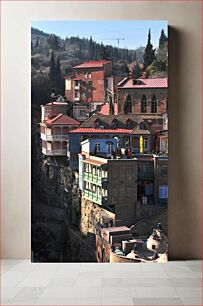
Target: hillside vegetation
(53,57)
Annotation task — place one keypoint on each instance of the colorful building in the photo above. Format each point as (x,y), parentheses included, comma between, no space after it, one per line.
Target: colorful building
(89,83)
(142,96)
(120,184)
(55,134)
(54,108)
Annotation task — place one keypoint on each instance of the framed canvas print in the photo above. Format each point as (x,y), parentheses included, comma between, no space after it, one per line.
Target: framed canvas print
(99,141)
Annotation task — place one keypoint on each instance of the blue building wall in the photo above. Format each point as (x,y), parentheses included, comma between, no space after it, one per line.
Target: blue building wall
(74,143)
(103,145)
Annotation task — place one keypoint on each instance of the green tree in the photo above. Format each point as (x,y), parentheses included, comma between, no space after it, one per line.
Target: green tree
(37,43)
(163,39)
(111,106)
(53,42)
(59,81)
(40,89)
(160,64)
(52,67)
(149,52)
(104,53)
(58,67)
(136,71)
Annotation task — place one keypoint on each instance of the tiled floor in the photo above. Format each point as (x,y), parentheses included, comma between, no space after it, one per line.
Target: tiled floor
(174,283)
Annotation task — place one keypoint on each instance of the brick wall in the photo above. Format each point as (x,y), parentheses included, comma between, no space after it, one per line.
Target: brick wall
(136,95)
(122,189)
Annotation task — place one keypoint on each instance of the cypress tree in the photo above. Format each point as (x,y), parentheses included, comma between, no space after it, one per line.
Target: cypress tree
(111,106)
(58,67)
(91,48)
(104,53)
(136,71)
(37,43)
(163,39)
(52,71)
(149,52)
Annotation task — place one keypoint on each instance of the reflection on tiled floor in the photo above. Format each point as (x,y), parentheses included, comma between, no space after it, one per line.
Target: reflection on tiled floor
(174,283)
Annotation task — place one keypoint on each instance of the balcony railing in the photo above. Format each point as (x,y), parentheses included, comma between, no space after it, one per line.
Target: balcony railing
(60,137)
(95,179)
(46,137)
(89,195)
(145,175)
(54,137)
(61,152)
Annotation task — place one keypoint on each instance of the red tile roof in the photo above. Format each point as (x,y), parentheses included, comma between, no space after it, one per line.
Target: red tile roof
(101,131)
(62,120)
(144,83)
(105,109)
(92,64)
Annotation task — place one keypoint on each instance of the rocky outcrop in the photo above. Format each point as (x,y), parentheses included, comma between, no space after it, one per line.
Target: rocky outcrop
(94,217)
(56,210)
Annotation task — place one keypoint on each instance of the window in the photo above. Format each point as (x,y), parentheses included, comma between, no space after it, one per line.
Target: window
(164,171)
(109,148)
(76,93)
(82,113)
(154,104)
(163,192)
(97,147)
(148,168)
(99,191)
(76,83)
(89,83)
(144,104)
(128,105)
(97,124)
(145,143)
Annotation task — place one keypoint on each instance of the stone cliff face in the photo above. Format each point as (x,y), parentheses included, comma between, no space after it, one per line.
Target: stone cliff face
(56,210)
(94,217)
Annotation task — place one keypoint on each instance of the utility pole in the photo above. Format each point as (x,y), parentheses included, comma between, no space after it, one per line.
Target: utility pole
(118,40)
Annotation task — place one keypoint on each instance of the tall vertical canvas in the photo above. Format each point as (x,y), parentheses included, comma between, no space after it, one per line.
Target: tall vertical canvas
(99,141)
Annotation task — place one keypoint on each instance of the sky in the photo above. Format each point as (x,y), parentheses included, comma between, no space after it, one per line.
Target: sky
(132,34)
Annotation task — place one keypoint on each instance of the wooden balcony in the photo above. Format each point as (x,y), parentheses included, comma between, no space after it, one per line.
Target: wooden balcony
(95,179)
(54,137)
(61,152)
(94,197)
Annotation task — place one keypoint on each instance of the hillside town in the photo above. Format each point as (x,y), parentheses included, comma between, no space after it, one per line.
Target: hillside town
(110,131)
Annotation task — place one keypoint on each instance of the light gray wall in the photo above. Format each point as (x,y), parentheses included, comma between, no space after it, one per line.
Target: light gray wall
(185,62)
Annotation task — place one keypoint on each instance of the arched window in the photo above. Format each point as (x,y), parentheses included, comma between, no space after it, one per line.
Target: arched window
(128,105)
(144,104)
(154,104)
